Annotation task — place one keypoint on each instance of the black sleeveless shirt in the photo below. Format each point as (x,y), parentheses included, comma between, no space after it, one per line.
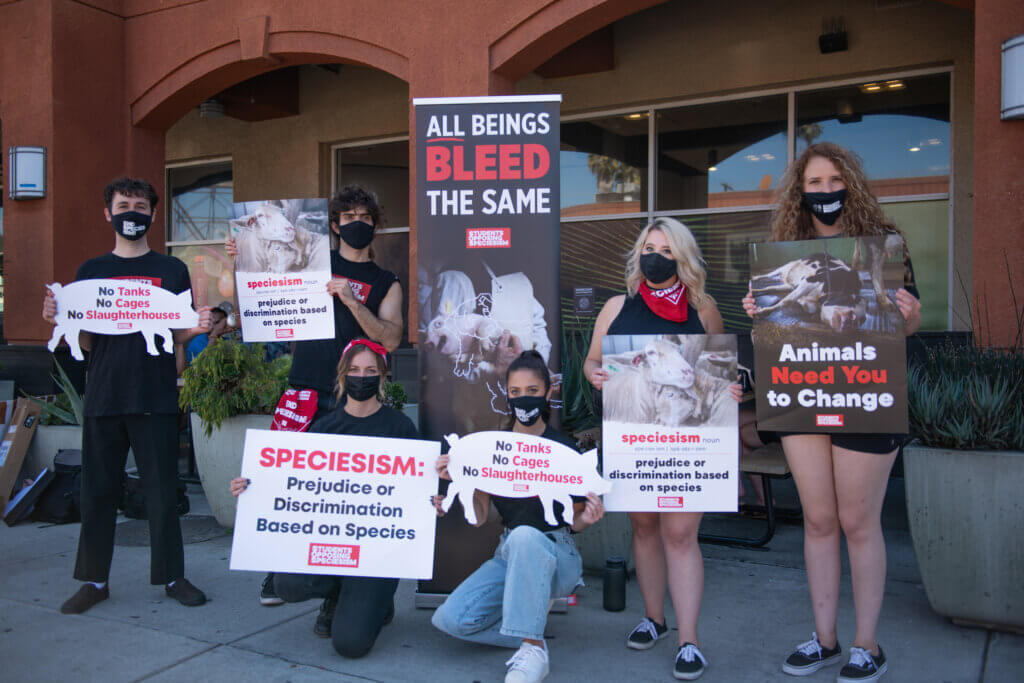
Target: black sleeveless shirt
(636,318)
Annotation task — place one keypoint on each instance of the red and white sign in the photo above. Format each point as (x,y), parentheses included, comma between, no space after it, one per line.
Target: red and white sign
(828,420)
(331,555)
(488,238)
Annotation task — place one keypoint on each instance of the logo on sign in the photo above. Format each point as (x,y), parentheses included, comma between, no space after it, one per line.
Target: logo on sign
(829,420)
(488,238)
(329,555)
(284,334)
(670,501)
(124,326)
(520,487)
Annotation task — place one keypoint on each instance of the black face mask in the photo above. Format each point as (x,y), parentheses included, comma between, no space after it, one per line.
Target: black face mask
(826,206)
(656,268)
(362,388)
(357,234)
(131,225)
(527,409)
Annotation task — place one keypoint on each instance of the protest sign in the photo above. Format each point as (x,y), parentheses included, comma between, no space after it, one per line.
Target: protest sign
(282,269)
(515,465)
(341,505)
(118,306)
(829,343)
(670,429)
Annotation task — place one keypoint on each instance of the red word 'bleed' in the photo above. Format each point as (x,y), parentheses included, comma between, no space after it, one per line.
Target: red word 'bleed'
(491,162)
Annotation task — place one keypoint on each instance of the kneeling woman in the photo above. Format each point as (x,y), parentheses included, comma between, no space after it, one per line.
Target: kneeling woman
(355,608)
(505,602)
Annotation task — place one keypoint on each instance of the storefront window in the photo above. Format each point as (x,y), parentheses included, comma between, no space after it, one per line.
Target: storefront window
(383,168)
(604,165)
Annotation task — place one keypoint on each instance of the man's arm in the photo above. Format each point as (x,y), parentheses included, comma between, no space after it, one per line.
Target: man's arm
(183,337)
(386,326)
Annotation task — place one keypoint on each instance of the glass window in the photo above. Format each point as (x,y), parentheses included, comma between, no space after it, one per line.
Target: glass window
(384,169)
(212,272)
(604,165)
(925,225)
(199,204)
(720,155)
(899,127)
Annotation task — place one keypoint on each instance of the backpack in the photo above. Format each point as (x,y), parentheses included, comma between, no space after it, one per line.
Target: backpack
(133,497)
(59,502)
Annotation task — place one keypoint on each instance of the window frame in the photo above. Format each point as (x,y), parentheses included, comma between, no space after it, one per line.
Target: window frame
(168,166)
(352,144)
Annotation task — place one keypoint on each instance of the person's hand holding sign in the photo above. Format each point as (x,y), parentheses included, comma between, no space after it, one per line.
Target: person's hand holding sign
(238,485)
(750,304)
(49,307)
(231,247)
(910,307)
(340,288)
(442,467)
(589,512)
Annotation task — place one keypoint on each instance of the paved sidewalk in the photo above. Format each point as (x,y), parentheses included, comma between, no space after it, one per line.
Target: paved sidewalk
(755,610)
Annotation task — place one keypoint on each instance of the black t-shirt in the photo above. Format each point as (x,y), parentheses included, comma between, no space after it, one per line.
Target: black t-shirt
(386,422)
(529,511)
(123,379)
(315,362)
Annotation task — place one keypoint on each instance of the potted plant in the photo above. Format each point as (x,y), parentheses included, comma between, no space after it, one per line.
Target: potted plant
(963,476)
(229,387)
(60,426)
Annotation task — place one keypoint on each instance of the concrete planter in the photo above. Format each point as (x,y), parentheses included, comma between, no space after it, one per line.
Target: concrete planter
(47,440)
(966,513)
(613,535)
(219,460)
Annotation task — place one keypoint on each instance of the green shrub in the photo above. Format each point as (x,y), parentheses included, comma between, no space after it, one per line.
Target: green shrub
(578,410)
(67,409)
(394,395)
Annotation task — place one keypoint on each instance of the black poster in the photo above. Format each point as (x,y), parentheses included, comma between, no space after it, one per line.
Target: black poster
(829,344)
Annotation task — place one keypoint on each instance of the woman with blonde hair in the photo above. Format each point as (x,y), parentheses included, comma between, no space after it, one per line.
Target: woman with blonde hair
(840,478)
(665,295)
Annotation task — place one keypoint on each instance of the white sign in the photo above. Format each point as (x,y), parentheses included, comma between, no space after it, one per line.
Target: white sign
(670,436)
(340,505)
(282,270)
(514,465)
(109,306)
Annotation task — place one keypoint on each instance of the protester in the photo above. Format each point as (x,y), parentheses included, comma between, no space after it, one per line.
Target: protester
(665,295)
(218,328)
(505,602)
(354,608)
(367,304)
(130,402)
(840,478)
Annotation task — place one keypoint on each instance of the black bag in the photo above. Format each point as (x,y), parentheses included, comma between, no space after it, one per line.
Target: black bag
(133,497)
(59,502)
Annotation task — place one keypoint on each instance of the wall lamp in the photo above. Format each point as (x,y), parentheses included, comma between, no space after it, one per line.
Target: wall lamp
(1013,78)
(28,172)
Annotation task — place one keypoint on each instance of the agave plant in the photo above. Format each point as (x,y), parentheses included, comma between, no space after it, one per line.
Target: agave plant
(577,397)
(67,408)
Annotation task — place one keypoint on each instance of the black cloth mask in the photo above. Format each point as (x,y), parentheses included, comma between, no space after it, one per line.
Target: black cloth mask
(362,388)
(826,206)
(131,225)
(527,409)
(656,268)
(357,234)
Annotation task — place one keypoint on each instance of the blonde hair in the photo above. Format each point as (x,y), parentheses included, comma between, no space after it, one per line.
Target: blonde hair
(346,362)
(689,262)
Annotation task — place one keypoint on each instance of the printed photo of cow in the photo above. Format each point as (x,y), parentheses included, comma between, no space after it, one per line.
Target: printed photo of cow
(281,236)
(670,380)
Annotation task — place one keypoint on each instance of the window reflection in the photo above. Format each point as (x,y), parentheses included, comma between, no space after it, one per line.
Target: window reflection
(384,169)
(200,202)
(604,165)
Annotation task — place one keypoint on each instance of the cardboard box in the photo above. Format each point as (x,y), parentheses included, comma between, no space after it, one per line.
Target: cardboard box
(15,445)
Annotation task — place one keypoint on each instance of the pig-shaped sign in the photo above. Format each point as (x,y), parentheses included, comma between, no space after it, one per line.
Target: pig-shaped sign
(119,307)
(516,465)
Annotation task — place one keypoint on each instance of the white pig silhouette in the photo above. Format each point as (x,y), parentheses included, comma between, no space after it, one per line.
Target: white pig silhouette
(478,452)
(80,298)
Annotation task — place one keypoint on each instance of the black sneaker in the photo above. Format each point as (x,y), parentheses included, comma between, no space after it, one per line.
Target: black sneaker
(863,666)
(646,634)
(811,656)
(185,593)
(690,663)
(87,596)
(268,598)
(325,618)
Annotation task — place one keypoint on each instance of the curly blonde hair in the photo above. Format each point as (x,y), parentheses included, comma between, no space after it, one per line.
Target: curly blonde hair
(861,213)
(689,262)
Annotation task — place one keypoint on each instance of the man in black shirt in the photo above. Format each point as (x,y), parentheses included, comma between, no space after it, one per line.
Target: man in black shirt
(130,402)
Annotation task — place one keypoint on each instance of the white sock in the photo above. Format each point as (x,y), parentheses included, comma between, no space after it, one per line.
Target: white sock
(100,586)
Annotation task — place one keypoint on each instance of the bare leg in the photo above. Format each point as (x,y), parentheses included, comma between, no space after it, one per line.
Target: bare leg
(749,442)
(810,460)
(685,569)
(649,556)
(860,489)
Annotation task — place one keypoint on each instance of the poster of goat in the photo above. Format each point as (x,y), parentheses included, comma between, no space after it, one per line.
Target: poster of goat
(282,269)
(670,438)
(829,342)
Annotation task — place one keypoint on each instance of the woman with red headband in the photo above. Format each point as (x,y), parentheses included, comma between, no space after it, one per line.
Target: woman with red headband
(355,608)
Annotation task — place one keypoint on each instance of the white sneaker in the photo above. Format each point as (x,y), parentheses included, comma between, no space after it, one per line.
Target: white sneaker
(528,665)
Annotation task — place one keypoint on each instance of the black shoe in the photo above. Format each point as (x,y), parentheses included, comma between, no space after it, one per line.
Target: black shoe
(185,593)
(690,663)
(863,666)
(322,627)
(811,656)
(269,598)
(646,634)
(87,596)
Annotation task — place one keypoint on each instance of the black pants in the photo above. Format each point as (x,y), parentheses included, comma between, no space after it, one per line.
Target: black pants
(363,605)
(105,443)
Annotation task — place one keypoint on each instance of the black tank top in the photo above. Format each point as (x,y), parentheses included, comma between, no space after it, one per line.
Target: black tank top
(636,318)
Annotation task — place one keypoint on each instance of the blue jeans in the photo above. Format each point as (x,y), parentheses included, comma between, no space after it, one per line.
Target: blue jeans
(507,598)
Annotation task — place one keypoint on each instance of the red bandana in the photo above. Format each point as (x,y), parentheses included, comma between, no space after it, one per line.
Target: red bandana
(294,411)
(669,303)
(371,345)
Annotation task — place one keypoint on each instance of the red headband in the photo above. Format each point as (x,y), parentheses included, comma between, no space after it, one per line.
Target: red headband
(371,345)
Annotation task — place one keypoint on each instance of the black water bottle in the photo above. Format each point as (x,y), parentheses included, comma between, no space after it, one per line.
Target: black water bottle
(614,584)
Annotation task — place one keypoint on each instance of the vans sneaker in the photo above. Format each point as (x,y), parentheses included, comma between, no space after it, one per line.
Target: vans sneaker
(811,656)
(863,666)
(528,665)
(269,597)
(325,617)
(690,663)
(646,634)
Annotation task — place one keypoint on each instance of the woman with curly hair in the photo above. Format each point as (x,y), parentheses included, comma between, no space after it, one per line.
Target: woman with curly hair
(840,478)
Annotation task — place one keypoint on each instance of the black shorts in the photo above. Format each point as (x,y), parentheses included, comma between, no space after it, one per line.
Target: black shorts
(879,444)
